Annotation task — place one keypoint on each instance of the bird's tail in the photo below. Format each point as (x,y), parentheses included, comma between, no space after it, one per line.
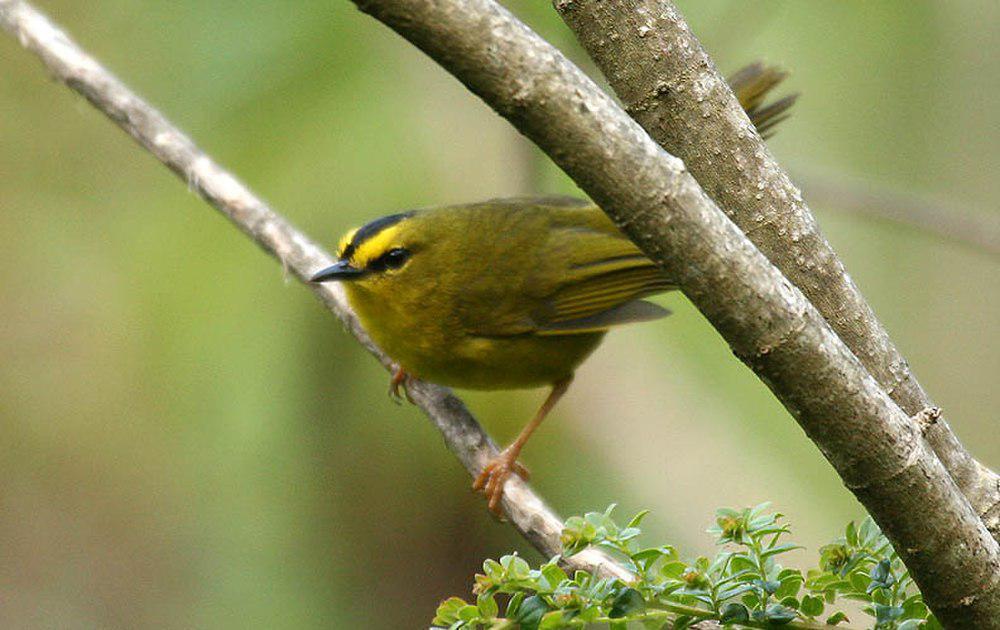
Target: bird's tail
(752,85)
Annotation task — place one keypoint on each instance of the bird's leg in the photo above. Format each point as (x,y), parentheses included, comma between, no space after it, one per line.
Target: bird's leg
(494,475)
(400,378)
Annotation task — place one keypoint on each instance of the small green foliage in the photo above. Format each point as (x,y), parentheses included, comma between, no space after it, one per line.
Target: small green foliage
(742,586)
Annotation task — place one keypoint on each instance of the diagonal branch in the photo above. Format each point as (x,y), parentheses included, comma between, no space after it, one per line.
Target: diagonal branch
(973,228)
(462,434)
(768,322)
(670,86)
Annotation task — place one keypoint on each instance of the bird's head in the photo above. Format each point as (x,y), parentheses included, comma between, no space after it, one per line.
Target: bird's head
(376,254)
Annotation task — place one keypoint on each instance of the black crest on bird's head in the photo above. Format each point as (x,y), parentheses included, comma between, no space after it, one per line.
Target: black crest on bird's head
(357,237)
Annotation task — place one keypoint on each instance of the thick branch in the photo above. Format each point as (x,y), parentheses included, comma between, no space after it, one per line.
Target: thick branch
(462,434)
(768,322)
(670,86)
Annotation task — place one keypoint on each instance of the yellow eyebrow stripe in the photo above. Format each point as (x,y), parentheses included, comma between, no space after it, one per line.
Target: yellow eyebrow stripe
(374,246)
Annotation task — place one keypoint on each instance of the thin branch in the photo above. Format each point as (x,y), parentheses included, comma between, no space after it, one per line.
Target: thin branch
(769,323)
(462,434)
(976,230)
(670,86)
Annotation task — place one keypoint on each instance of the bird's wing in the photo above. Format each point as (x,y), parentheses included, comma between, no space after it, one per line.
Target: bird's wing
(602,278)
(580,275)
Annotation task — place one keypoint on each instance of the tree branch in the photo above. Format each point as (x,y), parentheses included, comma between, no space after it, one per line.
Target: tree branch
(462,434)
(768,322)
(670,86)
(977,230)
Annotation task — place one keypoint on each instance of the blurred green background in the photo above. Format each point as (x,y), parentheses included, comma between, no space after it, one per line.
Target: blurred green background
(187,439)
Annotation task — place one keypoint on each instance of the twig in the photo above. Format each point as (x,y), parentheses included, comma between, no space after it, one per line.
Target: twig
(873,444)
(669,84)
(976,230)
(462,434)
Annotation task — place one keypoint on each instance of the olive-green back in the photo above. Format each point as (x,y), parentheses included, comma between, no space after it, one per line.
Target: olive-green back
(543,266)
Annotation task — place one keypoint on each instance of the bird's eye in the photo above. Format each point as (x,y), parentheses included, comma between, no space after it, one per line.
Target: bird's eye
(392,259)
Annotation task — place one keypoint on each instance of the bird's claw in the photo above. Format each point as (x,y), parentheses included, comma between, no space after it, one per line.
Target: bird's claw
(494,476)
(400,379)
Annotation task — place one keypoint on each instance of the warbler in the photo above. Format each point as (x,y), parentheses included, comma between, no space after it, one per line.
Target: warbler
(508,293)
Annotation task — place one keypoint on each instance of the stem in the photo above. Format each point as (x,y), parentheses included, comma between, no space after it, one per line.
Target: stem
(755,547)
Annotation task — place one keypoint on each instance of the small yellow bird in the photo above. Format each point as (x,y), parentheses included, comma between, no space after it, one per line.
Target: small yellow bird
(505,294)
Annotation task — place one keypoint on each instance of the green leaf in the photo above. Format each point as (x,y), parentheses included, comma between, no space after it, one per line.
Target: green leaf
(734,613)
(773,551)
(468,613)
(674,569)
(531,611)
(779,615)
(790,602)
(515,603)
(881,575)
(646,557)
(493,569)
(789,586)
(487,606)
(742,562)
(851,534)
(628,533)
(447,611)
(637,519)
(885,614)
(684,621)
(516,566)
(551,620)
(785,574)
(933,624)
(835,618)
(811,606)
(914,607)
(554,576)
(859,582)
(751,600)
(735,591)
(771,586)
(869,533)
(627,602)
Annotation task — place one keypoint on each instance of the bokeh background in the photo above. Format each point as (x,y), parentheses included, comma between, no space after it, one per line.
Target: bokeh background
(187,439)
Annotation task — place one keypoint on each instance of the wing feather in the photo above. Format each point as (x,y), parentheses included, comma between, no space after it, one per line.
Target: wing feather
(570,270)
(603,274)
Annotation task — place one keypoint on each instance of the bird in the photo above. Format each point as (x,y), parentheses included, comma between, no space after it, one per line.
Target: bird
(507,293)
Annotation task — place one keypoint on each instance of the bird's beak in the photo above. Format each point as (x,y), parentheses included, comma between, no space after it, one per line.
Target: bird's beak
(342,270)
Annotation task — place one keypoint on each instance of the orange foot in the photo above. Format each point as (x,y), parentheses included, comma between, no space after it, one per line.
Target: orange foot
(494,475)
(400,378)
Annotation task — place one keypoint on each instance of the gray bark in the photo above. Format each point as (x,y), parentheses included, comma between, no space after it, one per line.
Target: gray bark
(670,86)
(768,322)
(297,253)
